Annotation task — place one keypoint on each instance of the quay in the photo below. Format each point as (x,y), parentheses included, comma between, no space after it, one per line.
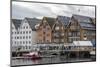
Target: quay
(75,49)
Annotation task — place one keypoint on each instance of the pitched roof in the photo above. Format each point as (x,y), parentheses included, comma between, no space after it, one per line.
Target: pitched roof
(63,19)
(86,25)
(81,18)
(32,22)
(50,21)
(16,22)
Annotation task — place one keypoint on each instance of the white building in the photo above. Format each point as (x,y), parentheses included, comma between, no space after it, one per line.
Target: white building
(24,33)
(27,32)
(14,32)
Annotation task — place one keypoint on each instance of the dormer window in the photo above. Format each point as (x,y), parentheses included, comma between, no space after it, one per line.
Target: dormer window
(57,28)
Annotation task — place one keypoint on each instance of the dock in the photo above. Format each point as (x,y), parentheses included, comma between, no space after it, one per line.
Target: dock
(31,57)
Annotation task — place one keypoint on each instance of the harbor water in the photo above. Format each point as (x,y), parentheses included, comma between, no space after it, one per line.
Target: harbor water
(50,60)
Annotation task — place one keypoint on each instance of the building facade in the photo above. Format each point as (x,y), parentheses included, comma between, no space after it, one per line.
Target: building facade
(62,29)
(45,30)
(27,31)
(59,29)
(15,24)
(24,33)
(81,28)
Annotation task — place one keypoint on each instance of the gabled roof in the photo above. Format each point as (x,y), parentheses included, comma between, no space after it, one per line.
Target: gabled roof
(32,22)
(63,19)
(16,23)
(86,25)
(81,18)
(50,21)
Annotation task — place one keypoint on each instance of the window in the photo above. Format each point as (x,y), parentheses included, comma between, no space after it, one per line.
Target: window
(23,42)
(69,34)
(15,32)
(11,37)
(40,28)
(23,32)
(62,34)
(26,47)
(43,32)
(78,33)
(26,27)
(12,32)
(15,42)
(48,34)
(47,40)
(48,28)
(70,40)
(29,42)
(29,31)
(29,37)
(17,37)
(57,28)
(26,42)
(12,42)
(62,40)
(44,26)
(26,37)
(29,47)
(23,37)
(20,42)
(26,32)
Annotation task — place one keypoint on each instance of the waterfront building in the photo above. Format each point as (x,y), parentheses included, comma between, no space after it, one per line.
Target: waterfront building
(59,29)
(81,28)
(15,24)
(44,31)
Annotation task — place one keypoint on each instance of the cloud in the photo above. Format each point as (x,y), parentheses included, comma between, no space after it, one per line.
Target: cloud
(26,9)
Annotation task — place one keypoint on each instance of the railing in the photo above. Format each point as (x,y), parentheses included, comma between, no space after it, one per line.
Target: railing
(54,47)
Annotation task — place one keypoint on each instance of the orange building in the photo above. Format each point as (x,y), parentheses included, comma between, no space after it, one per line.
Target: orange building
(45,30)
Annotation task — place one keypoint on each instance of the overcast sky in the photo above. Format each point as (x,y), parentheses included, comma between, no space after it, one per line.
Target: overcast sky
(25,9)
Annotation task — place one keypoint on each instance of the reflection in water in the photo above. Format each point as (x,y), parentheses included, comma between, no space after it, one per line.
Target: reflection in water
(47,60)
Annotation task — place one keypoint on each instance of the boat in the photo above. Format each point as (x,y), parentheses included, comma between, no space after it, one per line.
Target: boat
(32,55)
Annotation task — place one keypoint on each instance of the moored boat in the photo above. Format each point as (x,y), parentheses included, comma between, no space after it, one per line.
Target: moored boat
(32,55)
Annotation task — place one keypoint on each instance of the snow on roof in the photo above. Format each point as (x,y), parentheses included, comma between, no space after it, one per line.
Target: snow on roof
(82,43)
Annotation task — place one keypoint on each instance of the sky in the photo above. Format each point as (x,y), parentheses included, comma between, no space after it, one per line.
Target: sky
(21,10)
